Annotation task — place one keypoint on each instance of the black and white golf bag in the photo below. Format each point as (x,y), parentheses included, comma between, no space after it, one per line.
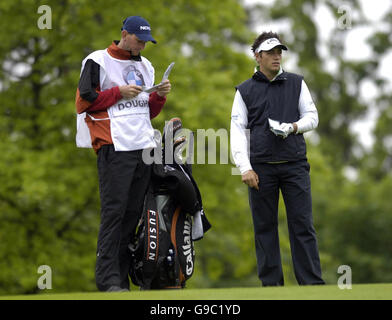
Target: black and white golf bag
(163,254)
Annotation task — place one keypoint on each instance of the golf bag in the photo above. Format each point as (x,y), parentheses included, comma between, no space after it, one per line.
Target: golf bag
(162,252)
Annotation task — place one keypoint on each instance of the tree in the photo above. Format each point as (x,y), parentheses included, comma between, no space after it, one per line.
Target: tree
(351,214)
(49,201)
(336,93)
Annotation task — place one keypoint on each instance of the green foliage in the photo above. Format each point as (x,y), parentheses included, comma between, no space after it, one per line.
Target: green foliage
(49,200)
(351,216)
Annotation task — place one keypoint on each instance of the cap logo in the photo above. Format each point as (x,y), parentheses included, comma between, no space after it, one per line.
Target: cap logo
(145,28)
(269,44)
(268,41)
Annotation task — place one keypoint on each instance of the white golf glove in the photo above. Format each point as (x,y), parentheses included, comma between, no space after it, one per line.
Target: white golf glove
(287,128)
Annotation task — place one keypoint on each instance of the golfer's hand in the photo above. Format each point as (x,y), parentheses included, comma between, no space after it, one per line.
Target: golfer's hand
(251,179)
(130,91)
(164,89)
(287,128)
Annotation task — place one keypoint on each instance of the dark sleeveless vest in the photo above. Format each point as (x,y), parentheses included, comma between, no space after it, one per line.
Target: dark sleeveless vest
(277,100)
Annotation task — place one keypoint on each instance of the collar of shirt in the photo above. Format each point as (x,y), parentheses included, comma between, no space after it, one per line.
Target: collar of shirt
(121,54)
(278,74)
(259,75)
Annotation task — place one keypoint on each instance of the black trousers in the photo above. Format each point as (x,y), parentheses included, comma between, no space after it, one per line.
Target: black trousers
(123,182)
(293,179)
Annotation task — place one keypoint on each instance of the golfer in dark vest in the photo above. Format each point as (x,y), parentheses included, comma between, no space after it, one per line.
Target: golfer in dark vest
(271,111)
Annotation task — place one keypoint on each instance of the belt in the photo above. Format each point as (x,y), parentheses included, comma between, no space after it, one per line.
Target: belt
(277,162)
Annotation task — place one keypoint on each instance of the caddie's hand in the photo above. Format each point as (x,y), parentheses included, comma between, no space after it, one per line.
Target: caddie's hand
(130,91)
(251,179)
(164,88)
(288,128)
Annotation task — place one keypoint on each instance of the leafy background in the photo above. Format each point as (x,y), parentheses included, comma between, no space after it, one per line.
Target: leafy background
(49,200)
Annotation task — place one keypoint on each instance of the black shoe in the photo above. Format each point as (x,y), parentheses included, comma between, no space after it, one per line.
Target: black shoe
(116,289)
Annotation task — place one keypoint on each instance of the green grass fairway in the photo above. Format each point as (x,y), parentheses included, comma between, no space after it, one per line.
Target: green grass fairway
(327,292)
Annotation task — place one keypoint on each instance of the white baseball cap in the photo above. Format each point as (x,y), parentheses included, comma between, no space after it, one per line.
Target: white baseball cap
(270,43)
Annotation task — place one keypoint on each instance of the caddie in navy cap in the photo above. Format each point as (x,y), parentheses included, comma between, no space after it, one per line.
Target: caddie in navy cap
(127,98)
(138,26)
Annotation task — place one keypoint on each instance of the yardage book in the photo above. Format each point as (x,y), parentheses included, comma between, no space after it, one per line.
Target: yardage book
(165,76)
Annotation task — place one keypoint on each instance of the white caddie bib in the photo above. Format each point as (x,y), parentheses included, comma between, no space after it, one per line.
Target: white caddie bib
(130,123)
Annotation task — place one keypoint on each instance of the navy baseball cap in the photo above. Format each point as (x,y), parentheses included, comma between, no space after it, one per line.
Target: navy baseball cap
(138,26)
